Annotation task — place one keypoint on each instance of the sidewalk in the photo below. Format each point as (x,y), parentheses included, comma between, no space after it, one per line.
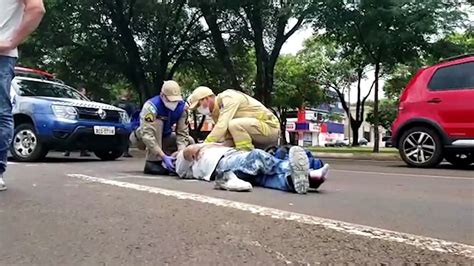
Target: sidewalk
(359,156)
(356,153)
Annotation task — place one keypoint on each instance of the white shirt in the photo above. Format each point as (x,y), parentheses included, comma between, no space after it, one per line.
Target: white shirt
(204,166)
(11,15)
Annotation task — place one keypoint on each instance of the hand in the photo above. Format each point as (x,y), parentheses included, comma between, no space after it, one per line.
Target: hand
(6,46)
(169,162)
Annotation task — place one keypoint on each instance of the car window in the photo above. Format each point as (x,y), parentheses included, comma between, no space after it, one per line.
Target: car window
(43,89)
(455,77)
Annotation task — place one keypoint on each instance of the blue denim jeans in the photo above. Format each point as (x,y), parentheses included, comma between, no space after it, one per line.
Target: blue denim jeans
(7,66)
(259,168)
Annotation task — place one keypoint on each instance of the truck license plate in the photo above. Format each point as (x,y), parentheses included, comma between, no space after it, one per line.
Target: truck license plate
(104,131)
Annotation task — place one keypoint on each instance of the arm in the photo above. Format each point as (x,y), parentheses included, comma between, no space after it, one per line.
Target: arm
(149,132)
(183,167)
(150,128)
(227,112)
(34,11)
(182,131)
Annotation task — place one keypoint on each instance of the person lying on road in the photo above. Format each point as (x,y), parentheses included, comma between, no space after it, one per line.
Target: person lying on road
(235,170)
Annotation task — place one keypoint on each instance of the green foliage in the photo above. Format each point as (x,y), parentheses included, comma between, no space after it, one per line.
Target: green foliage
(295,85)
(387,32)
(388,114)
(100,42)
(453,45)
(209,72)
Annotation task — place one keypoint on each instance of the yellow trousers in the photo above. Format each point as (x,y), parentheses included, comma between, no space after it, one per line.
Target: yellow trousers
(249,133)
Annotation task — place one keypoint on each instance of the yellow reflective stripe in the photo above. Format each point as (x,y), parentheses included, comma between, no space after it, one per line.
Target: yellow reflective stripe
(266,121)
(244,145)
(210,139)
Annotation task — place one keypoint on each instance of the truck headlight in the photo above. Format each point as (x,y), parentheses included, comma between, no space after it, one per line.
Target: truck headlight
(64,112)
(124,118)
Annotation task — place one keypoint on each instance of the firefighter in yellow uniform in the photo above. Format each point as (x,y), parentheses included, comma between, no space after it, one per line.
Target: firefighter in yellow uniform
(238,118)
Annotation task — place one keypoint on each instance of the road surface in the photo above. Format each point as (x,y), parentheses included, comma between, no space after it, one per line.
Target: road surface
(87,212)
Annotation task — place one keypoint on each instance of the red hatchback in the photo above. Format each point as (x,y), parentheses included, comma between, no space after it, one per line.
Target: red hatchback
(436,115)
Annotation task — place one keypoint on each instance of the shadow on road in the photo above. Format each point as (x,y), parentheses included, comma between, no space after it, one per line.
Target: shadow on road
(441,166)
(60,160)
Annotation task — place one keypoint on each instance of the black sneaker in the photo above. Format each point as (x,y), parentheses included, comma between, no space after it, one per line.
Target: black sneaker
(155,168)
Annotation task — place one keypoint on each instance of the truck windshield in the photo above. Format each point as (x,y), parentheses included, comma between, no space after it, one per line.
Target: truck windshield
(44,89)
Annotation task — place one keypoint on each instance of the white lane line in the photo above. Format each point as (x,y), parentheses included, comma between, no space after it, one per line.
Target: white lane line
(11,163)
(401,174)
(139,177)
(344,227)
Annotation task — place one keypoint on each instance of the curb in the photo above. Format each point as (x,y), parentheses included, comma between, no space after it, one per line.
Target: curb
(354,156)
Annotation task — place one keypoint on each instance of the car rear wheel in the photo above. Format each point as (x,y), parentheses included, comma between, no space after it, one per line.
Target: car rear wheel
(460,159)
(26,146)
(421,147)
(109,155)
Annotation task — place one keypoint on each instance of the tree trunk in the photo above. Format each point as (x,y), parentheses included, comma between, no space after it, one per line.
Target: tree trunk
(268,85)
(283,118)
(219,45)
(376,109)
(355,125)
(260,75)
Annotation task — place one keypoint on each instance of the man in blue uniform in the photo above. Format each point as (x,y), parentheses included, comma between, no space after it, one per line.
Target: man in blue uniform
(155,133)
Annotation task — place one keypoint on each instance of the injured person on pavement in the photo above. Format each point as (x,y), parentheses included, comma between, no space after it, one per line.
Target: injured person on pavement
(235,170)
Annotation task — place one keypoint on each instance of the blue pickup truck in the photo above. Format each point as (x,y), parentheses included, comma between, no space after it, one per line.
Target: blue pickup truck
(49,115)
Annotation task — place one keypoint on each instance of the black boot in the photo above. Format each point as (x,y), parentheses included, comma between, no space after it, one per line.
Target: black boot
(155,168)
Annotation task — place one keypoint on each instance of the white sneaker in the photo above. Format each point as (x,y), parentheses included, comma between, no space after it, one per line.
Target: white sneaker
(299,169)
(320,173)
(2,184)
(231,182)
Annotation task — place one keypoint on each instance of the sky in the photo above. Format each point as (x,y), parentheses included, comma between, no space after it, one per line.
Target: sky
(295,43)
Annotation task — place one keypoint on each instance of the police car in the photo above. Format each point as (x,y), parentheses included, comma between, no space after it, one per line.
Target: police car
(49,115)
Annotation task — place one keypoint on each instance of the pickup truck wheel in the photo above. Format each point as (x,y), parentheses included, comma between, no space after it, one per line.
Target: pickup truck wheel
(26,146)
(109,155)
(460,159)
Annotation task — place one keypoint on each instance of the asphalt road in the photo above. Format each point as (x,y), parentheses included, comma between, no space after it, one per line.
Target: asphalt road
(87,212)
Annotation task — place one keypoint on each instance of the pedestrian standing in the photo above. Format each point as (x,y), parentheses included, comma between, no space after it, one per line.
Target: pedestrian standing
(84,153)
(18,19)
(126,104)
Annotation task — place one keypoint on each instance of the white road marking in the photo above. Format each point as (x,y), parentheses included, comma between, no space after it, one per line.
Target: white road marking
(11,163)
(401,174)
(139,177)
(344,227)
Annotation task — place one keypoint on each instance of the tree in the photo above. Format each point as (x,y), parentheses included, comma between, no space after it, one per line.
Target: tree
(145,41)
(388,114)
(336,71)
(387,32)
(295,88)
(453,45)
(266,25)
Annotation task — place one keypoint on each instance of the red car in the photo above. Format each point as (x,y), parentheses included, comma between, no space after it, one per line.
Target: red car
(436,115)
